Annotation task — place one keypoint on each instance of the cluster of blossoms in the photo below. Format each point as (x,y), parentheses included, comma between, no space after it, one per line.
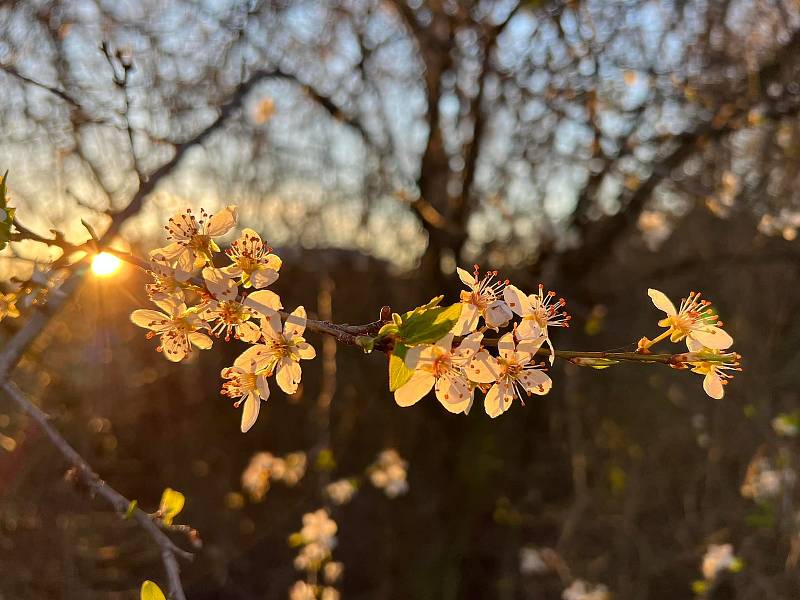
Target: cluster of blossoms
(718,559)
(201,299)
(581,590)
(316,541)
(184,272)
(696,323)
(389,473)
(763,481)
(265,467)
(459,363)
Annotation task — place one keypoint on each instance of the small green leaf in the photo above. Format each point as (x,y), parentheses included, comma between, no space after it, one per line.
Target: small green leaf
(399,373)
(366,343)
(171,505)
(131,509)
(296,540)
(150,591)
(700,587)
(430,325)
(325,461)
(736,566)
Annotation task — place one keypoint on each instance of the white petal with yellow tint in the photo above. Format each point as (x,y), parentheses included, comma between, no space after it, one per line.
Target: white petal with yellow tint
(295,323)
(517,301)
(288,375)
(498,400)
(261,278)
(483,368)
(445,344)
(150,319)
(467,319)
(219,284)
(250,409)
(253,358)
(453,393)
(265,302)
(168,252)
(466,277)
(413,356)
(306,351)
(530,329)
(263,386)
(661,301)
(506,346)
(535,381)
(712,384)
(248,332)
(174,347)
(271,327)
(222,222)
(201,340)
(469,346)
(414,389)
(713,337)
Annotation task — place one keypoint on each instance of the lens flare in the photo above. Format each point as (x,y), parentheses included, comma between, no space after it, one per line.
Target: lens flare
(105,264)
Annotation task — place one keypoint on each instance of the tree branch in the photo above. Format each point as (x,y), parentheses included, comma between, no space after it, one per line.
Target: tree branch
(118,502)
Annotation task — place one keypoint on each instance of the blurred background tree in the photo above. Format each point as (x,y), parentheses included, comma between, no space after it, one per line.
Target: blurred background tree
(602,146)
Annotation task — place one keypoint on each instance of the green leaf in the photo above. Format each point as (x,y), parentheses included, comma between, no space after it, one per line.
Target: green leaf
(171,505)
(150,591)
(366,343)
(399,373)
(131,509)
(325,461)
(700,587)
(429,325)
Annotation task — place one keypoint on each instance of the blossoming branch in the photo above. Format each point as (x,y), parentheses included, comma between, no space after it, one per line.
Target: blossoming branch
(432,348)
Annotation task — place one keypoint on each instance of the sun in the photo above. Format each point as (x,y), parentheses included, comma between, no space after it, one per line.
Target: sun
(105,264)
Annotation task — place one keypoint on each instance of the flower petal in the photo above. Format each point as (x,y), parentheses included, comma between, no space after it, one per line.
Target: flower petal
(498,400)
(713,337)
(497,314)
(484,368)
(201,340)
(248,332)
(467,319)
(263,386)
(453,393)
(468,347)
(222,222)
(466,277)
(506,346)
(712,384)
(517,301)
(150,319)
(250,411)
(295,323)
(253,358)
(535,381)
(265,302)
(414,389)
(306,351)
(288,375)
(261,278)
(219,284)
(661,301)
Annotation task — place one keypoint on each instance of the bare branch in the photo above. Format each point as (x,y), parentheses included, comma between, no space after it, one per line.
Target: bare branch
(120,504)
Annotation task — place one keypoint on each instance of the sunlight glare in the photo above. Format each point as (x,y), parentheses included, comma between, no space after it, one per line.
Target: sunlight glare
(105,264)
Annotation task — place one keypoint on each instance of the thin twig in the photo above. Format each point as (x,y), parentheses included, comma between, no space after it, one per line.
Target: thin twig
(120,504)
